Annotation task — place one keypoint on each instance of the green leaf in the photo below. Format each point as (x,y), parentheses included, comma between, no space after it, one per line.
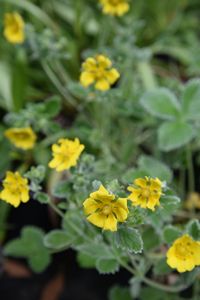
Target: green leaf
(161,103)
(42,197)
(61,190)
(169,203)
(30,245)
(86,261)
(191,100)
(129,239)
(107,266)
(36,174)
(170,234)
(161,267)
(16,248)
(132,174)
(150,238)
(193,229)
(173,135)
(119,293)
(57,239)
(53,106)
(74,225)
(155,294)
(96,250)
(39,261)
(155,168)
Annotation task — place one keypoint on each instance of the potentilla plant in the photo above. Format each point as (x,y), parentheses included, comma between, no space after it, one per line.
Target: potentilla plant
(111,225)
(132,222)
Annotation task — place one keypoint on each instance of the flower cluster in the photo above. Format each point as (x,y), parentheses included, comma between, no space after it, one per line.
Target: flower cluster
(15,189)
(14,28)
(115,7)
(65,154)
(105,210)
(146,192)
(23,138)
(184,254)
(98,71)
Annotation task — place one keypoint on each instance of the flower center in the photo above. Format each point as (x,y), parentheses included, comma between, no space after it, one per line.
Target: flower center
(145,193)
(22,136)
(183,251)
(100,73)
(106,210)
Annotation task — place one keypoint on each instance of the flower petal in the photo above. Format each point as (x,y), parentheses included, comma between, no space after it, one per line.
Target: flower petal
(112,75)
(87,78)
(110,223)
(90,206)
(102,85)
(97,219)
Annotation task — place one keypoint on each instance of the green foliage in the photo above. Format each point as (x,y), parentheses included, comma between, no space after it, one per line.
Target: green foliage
(180,129)
(57,239)
(129,239)
(190,101)
(61,190)
(161,103)
(150,238)
(161,267)
(154,294)
(119,293)
(174,135)
(30,246)
(85,261)
(193,229)
(154,168)
(170,234)
(107,266)
(128,132)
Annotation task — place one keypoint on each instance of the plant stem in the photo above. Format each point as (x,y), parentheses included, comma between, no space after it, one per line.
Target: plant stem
(63,91)
(56,209)
(160,286)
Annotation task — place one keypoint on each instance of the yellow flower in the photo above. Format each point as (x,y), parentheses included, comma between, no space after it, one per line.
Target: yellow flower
(104,210)
(146,193)
(23,138)
(193,201)
(65,154)
(115,7)
(184,254)
(15,190)
(14,28)
(98,71)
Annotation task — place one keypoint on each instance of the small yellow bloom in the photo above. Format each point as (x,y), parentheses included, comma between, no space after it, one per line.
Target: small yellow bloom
(184,254)
(65,154)
(104,210)
(23,138)
(14,28)
(98,71)
(115,7)
(193,201)
(146,193)
(15,190)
